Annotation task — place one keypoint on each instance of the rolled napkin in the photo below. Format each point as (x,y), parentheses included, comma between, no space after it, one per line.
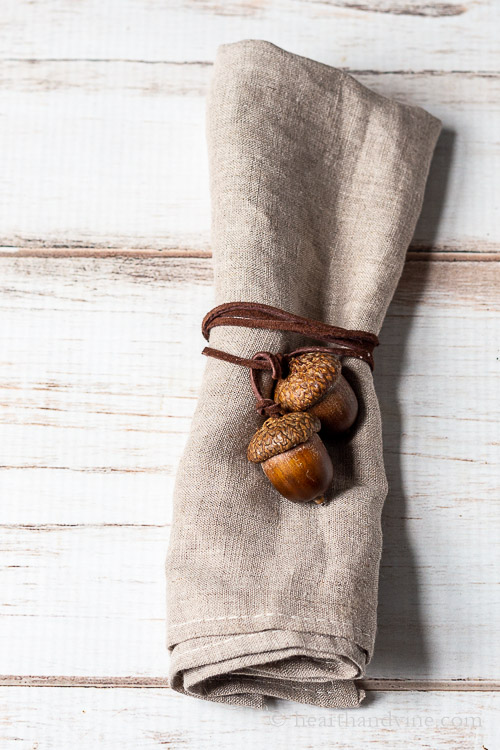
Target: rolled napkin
(316,183)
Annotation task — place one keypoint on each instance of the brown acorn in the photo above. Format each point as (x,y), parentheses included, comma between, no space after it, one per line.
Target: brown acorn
(293,457)
(315,384)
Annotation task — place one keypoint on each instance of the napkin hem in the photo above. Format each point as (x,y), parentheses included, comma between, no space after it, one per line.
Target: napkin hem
(253,623)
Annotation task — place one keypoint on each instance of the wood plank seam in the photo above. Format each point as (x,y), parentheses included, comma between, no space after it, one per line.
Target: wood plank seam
(369,684)
(415,253)
(209,64)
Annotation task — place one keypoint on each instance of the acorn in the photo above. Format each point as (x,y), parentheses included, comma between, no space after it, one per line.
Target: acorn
(293,457)
(315,384)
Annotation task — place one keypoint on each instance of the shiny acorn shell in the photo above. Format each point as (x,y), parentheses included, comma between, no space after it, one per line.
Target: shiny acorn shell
(293,457)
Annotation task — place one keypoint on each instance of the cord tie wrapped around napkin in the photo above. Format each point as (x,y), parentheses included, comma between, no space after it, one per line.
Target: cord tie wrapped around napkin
(346,343)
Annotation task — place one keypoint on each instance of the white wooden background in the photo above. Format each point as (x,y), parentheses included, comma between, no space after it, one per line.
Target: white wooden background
(105,270)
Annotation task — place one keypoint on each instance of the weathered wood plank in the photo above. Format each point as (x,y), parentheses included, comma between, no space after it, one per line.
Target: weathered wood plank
(90,600)
(379,34)
(101,367)
(96,405)
(83,600)
(113,156)
(52,718)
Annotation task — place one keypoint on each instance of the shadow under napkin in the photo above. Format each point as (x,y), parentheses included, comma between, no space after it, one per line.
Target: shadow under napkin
(401,646)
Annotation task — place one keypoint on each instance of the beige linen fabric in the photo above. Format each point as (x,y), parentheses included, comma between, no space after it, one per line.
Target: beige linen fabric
(317,183)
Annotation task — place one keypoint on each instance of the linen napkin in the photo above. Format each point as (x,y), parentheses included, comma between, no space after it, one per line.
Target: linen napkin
(316,183)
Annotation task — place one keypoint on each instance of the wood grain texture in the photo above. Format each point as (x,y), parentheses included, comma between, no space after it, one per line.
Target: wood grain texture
(135,719)
(100,371)
(110,156)
(103,175)
(389,34)
(369,684)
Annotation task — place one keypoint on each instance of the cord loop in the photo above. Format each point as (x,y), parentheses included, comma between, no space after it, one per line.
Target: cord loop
(343,342)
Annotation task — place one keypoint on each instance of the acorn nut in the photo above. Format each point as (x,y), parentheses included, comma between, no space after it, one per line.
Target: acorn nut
(293,457)
(315,384)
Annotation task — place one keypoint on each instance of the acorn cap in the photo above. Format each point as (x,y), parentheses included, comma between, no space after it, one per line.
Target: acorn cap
(280,434)
(310,377)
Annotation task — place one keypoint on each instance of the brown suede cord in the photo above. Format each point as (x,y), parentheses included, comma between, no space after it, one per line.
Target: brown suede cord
(345,343)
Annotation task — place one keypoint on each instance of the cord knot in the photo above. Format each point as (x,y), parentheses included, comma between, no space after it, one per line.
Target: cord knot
(266,407)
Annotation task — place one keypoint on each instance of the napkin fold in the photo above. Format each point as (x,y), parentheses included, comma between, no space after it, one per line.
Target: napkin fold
(317,183)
